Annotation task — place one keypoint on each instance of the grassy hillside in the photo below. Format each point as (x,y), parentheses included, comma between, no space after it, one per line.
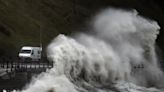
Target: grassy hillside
(22,21)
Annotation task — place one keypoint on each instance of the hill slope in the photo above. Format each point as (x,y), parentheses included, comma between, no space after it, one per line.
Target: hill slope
(24,22)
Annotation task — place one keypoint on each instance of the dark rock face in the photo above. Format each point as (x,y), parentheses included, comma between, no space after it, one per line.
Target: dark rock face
(22,21)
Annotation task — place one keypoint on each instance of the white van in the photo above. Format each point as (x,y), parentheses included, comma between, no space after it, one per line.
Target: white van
(30,53)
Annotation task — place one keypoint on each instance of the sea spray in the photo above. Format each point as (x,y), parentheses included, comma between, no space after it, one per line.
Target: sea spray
(119,55)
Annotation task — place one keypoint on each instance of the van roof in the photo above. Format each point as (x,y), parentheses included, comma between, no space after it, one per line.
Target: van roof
(25,47)
(29,47)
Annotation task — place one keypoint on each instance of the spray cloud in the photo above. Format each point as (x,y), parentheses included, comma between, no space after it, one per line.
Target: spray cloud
(121,50)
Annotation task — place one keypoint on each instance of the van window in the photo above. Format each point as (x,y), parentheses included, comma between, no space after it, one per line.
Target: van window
(38,52)
(25,51)
(32,52)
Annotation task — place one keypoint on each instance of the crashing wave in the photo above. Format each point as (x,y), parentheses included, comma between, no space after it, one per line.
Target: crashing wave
(119,57)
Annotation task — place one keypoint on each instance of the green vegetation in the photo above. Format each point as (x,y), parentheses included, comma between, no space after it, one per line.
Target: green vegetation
(24,20)
(21,21)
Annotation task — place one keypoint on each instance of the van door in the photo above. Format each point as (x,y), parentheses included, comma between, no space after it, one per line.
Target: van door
(36,55)
(39,54)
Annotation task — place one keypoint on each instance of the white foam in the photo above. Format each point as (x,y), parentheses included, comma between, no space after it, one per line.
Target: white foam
(123,42)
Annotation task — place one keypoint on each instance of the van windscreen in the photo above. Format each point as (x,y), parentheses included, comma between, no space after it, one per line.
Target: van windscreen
(25,51)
